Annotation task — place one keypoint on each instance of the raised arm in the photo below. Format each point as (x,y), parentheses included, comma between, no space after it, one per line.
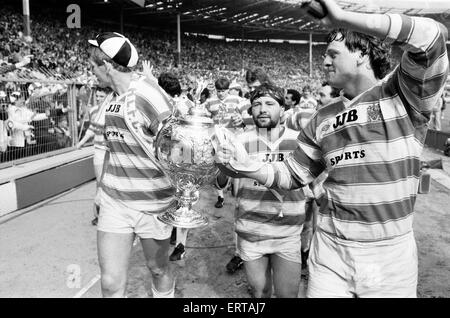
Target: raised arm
(423,69)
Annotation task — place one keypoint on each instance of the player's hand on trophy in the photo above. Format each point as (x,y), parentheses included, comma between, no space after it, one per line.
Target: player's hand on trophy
(230,154)
(223,147)
(147,70)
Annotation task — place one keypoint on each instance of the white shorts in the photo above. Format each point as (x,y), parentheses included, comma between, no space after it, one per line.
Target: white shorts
(287,248)
(115,217)
(341,268)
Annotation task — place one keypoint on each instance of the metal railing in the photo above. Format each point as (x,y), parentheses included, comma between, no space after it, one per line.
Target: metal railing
(41,118)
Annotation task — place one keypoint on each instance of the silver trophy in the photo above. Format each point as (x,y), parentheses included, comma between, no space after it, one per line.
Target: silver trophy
(185,151)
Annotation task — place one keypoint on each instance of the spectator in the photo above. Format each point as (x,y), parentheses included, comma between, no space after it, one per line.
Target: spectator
(326,94)
(292,99)
(9,68)
(307,100)
(256,77)
(62,131)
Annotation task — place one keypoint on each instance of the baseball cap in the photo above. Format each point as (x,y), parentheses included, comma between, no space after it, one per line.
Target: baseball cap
(117,47)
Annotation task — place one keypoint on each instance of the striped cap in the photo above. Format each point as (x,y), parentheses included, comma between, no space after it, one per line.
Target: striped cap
(117,47)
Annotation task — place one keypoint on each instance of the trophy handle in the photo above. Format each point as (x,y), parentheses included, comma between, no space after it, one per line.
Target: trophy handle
(171,118)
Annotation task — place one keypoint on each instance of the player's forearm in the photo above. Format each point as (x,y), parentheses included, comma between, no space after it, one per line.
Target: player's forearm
(261,175)
(88,135)
(274,175)
(372,24)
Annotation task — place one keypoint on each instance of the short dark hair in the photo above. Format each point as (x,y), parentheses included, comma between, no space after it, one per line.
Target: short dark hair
(295,95)
(379,51)
(257,74)
(222,83)
(99,58)
(169,83)
(267,89)
(106,90)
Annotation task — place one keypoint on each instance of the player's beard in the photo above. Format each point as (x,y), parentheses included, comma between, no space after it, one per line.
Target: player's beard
(268,123)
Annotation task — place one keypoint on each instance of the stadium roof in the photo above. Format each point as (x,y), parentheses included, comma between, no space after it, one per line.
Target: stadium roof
(257,19)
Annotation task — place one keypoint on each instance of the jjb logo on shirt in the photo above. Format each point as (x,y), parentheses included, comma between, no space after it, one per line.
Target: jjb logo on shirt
(113,120)
(273,157)
(346,117)
(114,107)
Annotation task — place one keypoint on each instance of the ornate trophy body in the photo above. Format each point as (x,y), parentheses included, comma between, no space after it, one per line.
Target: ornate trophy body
(184,150)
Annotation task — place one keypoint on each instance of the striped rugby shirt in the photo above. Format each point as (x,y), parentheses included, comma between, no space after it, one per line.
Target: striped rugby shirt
(97,121)
(257,208)
(222,110)
(130,176)
(371,145)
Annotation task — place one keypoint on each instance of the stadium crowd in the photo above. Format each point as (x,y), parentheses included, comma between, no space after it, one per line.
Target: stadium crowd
(60,52)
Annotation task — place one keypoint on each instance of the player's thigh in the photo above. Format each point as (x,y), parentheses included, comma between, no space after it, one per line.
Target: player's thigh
(329,275)
(114,251)
(258,273)
(286,276)
(391,271)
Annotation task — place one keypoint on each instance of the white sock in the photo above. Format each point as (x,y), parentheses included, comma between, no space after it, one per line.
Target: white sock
(168,294)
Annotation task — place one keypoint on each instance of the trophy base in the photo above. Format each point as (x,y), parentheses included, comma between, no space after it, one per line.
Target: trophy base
(183,219)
